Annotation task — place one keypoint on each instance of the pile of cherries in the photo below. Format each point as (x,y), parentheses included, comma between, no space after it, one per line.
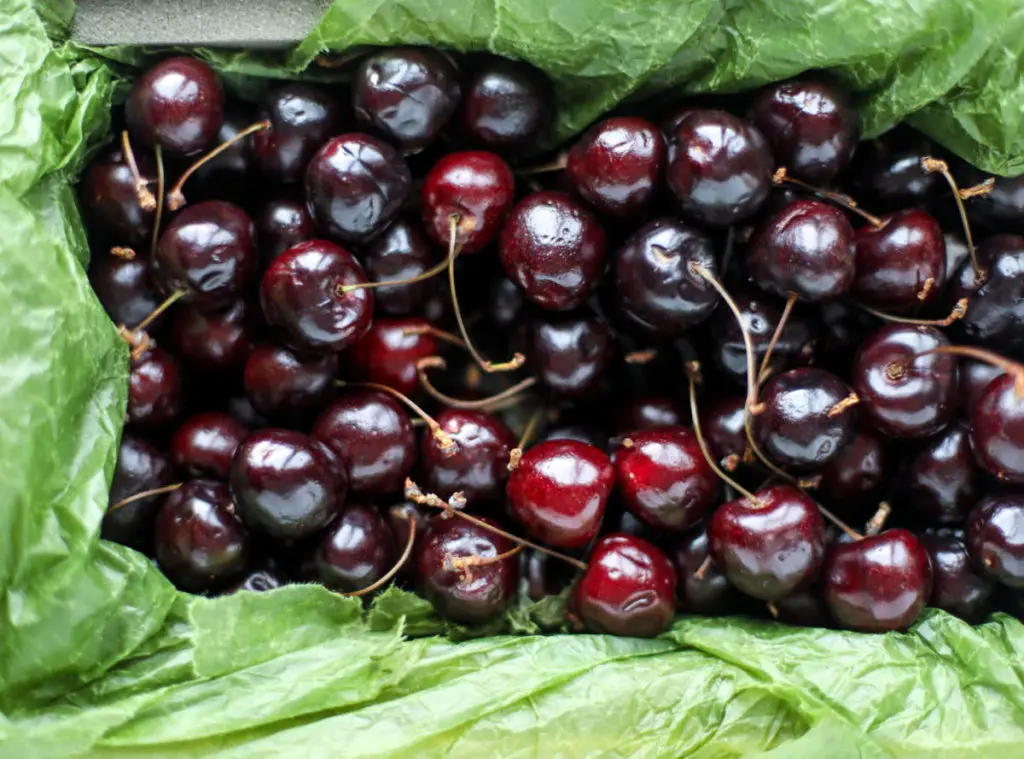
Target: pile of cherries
(675,367)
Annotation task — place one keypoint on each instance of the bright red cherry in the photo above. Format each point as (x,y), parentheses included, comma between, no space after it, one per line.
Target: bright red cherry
(388,352)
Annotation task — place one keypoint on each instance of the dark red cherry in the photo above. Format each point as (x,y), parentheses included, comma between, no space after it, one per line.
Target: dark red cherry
(302,117)
(995,538)
(229,175)
(109,203)
(372,434)
(647,411)
(471,594)
(723,427)
(939,478)
(356,551)
(204,444)
(974,376)
(553,248)
(475,187)
(902,265)
(208,251)
(355,186)
(559,490)
(505,303)
(804,608)
(407,94)
(544,575)
(216,343)
(1000,210)
(656,285)
(701,589)
(242,410)
(569,355)
(284,385)
(582,433)
(399,517)
(806,248)
(628,589)
(888,170)
(903,396)
(997,429)
(856,476)
(286,484)
(808,418)
(995,309)
(282,223)
(302,297)
(155,392)
(177,104)
(878,584)
(388,352)
(956,586)
(507,104)
(664,479)
(140,467)
(125,288)
(478,468)
(617,164)
(771,547)
(200,542)
(840,329)
(401,252)
(719,168)
(811,127)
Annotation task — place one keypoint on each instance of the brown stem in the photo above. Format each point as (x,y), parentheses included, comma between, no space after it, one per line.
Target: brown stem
(844,201)
(980,354)
(839,522)
(516,454)
(176,198)
(926,289)
(958,312)
(440,334)
(444,440)
(978,190)
(702,569)
(877,522)
(762,373)
(848,402)
(139,342)
(466,564)
(142,193)
(125,254)
(158,217)
(436,362)
(169,301)
(932,165)
(144,494)
(556,164)
(433,271)
(639,358)
(406,552)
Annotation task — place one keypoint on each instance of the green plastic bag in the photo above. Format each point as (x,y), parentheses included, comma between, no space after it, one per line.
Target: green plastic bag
(100,656)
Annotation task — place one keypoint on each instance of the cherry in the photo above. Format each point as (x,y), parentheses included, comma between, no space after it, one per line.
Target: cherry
(719,168)
(559,490)
(995,310)
(109,201)
(856,476)
(407,94)
(230,174)
(628,588)
(544,575)
(398,517)
(302,117)
(155,393)
(507,104)
(701,587)
(806,248)
(956,587)
(1001,209)
(357,550)
(208,251)
(811,127)
(388,352)
(901,265)
(880,583)
(476,190)
(200,542)
(580,433)
(303,296)
(505,303)
(125,288)
(617,165)
(842,327)
(995,538)
(809,416)
(242,411)
(569,355)
(282,224)
(997,429)
(355,186)
(286,484)
(478,468)
(552,248)
(401,253)
(284,385)
(647,411)
(888,170)
(656,286)
(723,426)
(372,434)
(804,608)
(140,467)
(974,376)
(904,396)
(204,444)
(177,104)
(939,479)
(478,587)
(216,343)
(258,581)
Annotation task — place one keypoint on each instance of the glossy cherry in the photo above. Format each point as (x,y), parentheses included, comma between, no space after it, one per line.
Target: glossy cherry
(857,475)
(284,385)
(216,343)
(995,538)
(478,468)
(140,467)
(901,265)
(401,252)
(229,175)
(974,376)
(356,551)
(109,203)
(647,411)
(997,429)
(155,392)
(388,352)
(701,588)
(204,444)
(995,310)
(582,433)
(559,490)
(939,479)
(956,586)
(125,288)
(475,188)
(544,575)
(888,170)
(282,223)
(1001,209)
(302,117)
(506,105)
(569,355)
(723,426)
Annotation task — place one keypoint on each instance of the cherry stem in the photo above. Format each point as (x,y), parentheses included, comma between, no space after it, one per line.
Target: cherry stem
(926,289)
(169,301)
(448,446)
(844,201)
(702,569)
(556,164)
(958,312)
(125,254)
(453,507)
(978,190)
(466,564)
(516,454)
(932,165)
(436,362)
(848,402)
(639,358)
(145,494)
(762,373)
(877,522)
(440,334)
(433,271)
(406,552)
(176,198)
(159,216)
(142,193)
(772,609)
(139,341)
(980,354)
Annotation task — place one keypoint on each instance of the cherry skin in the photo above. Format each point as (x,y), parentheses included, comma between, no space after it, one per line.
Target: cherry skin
(401,252)
(995,310)
(475,187)
(208,251)
(109,203)
(200,542)
(569,355)
(281,224)
(806,248)
(999,210)
(544,575)
(617,165)
(723,427)
(856,476)
(997,429)
(705,592)
(216,343)
(302,117)
(204,445)
(372,434)
(473,594)
(841,328)
(995,538)
(399,516)
(155,392)
(956,586)
(286,484)
(559,491)
(177,104)
(719,168)
(939,479)
(140,466)
(811,127)
(903,396)
(355,186)
(888,170)
(301,297)
(356,551)
(581,433)
(974,376)
(125,288)
(407,94)
(388,352)
(628,588)
(284,385)
(656,285)
(507,104)
(901,265)
(647,411)
(478,468)
(553,249)
(229,175)
(878,584)
(804,608)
